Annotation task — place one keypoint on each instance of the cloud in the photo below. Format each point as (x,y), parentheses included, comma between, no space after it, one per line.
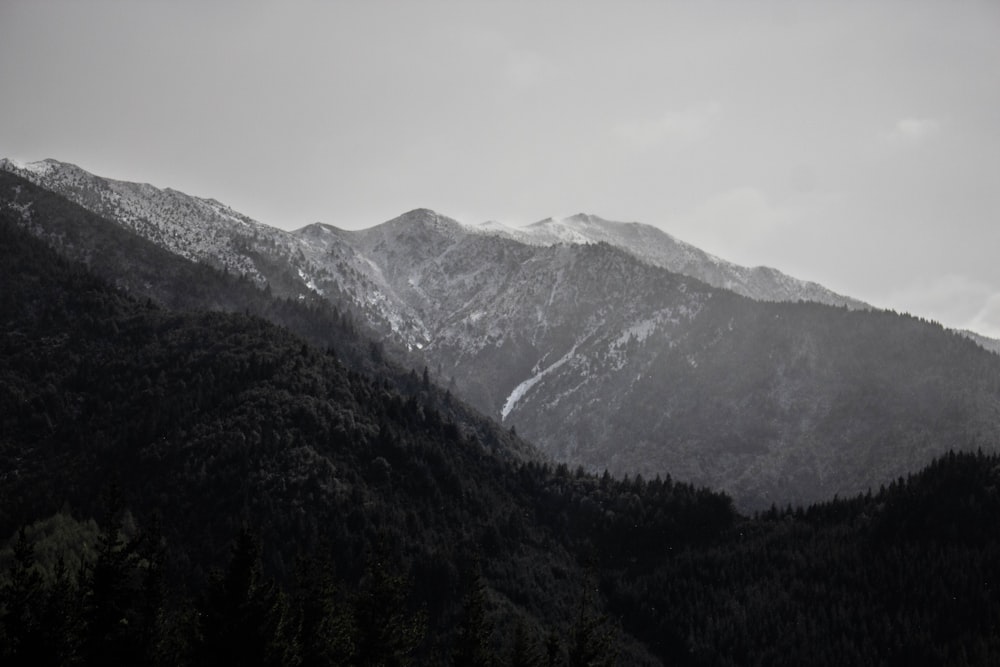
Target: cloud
(687,125)
(954,300)
(739,225)
(911,131)
(987,320)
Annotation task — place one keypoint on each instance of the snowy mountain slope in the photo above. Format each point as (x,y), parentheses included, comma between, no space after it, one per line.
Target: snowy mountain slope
(656,247)
(195,228)
(204,230)
(497,312)
(609,362)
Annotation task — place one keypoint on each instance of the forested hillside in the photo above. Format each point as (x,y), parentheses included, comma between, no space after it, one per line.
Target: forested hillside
(204,488)
(215,422)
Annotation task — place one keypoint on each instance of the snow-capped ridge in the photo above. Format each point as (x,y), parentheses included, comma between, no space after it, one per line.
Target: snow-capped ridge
(654,246)
(39,167)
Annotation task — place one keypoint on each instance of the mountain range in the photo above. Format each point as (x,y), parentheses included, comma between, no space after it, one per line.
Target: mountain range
(200,465)
(609,345)
(656,247)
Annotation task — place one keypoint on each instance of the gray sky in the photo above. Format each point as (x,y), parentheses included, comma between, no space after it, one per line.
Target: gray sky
(852,143)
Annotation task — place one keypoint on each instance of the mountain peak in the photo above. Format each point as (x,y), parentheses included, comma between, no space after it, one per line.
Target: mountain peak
(420,213)
(584,217)
(543,222)
(39,167)
(421,225)
(424,218)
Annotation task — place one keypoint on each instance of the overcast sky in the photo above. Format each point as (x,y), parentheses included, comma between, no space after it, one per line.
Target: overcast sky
(852,143)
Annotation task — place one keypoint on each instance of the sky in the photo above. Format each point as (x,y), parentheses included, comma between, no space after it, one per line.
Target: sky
(856,144)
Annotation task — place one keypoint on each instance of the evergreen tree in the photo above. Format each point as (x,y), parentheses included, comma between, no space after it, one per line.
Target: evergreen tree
(472,645)
(325,627)
(22,603)
(62,619)
(386,633)
(523,651)
(553,650)
(112,633)
(591,642)
(243,618)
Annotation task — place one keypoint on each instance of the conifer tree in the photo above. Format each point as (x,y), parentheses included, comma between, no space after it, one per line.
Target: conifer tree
(22,641)
(111,617)
(591,642)
(386,633)
(324,624)
(473,642)
(523,651)
(243,617)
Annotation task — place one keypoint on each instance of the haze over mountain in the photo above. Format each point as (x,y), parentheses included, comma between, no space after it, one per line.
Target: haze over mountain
(607,361)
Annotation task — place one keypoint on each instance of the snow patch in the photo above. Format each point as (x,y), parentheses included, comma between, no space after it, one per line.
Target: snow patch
(40,168)
(641,331)
(523,388)
(310,283)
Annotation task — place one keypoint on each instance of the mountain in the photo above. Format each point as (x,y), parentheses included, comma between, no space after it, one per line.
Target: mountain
(232,494)
(293,265)
(145,270)
(163,216)
(658,248)
(222,422)
(610,362)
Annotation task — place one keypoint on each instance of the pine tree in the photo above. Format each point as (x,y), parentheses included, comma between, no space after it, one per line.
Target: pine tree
(523,651)
(22,605)
(386,633)
(244,618)
(591,642)
(324,627)
(553,650)
(112,634)
(473,643)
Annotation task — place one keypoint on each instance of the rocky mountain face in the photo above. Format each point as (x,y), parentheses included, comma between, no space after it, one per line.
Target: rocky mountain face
(585,336)
(609,362)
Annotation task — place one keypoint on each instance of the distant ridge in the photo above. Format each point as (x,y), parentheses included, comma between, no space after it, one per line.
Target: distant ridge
(656,247)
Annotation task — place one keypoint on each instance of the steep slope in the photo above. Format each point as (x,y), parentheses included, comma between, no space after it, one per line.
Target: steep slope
(609,362)
(500,313)
(658,248)
(146,270)
(206,231)
(195,228)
